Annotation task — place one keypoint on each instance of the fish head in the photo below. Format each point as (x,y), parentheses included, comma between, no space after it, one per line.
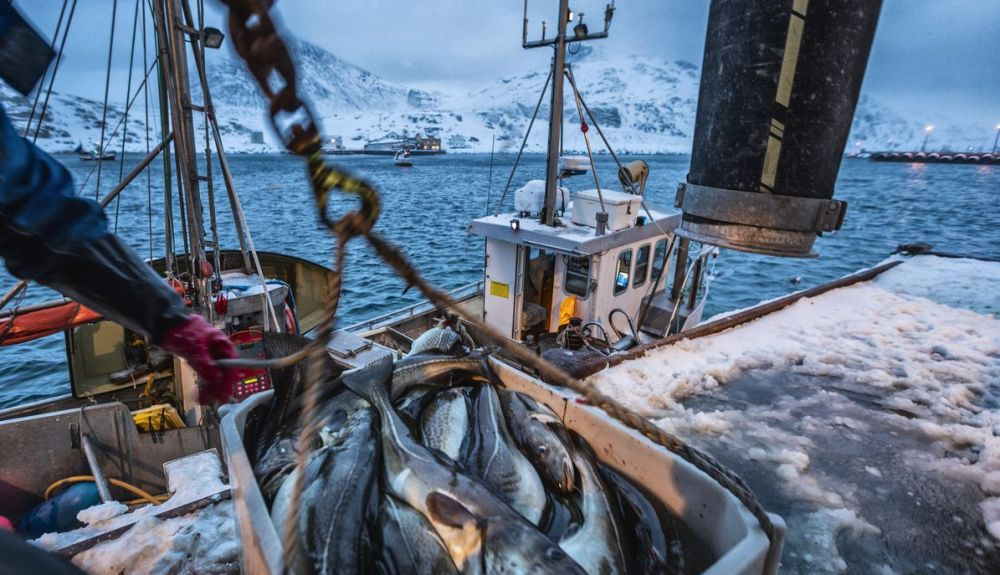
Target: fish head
(464,530)
(514,546)
(553,458)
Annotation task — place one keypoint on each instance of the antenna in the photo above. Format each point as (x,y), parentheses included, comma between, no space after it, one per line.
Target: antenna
(559,42)
(580,31)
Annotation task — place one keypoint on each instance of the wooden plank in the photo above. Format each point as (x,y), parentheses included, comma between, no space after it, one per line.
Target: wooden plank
(83,545)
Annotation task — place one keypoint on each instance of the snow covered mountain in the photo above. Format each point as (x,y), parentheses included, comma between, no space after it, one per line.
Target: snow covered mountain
(643,104)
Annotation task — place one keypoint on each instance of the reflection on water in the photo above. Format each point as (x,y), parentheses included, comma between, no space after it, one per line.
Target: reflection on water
(425,210)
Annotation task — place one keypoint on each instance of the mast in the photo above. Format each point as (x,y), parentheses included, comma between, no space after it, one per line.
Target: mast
(171,44)
(555,117)
(559,42)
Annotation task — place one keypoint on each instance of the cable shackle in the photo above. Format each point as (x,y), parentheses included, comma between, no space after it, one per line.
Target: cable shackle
(257,42)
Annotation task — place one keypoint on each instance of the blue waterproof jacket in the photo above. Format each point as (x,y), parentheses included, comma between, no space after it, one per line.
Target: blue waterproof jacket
(50,235)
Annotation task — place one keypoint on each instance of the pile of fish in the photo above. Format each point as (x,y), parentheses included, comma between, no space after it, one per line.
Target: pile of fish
(427,464)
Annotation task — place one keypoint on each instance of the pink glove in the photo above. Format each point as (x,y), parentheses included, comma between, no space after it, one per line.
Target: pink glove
(200,344)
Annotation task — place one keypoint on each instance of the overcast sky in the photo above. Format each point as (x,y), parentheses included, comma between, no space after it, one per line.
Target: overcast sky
(928,55)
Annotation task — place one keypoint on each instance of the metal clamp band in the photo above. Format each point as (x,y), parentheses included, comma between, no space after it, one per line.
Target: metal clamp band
(761,210)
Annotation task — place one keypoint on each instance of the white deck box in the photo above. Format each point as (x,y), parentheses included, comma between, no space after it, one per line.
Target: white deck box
(622,208)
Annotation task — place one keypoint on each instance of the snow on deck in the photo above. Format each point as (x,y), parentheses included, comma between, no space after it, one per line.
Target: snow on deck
(203,541)
(869,417)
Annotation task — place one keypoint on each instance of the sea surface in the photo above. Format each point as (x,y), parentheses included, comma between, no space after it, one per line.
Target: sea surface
(425,210)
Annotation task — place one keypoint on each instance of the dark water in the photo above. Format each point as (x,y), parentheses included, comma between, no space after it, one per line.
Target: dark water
(425,210)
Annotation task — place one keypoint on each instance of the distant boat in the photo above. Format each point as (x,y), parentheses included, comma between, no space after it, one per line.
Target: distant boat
(402,158)
(95,155)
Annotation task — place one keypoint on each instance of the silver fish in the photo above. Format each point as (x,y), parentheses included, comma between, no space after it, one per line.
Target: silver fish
(426,369)
(500,465)
(596,543)
(531,426)
(409,544)
(444,424)
(479,531)
(652,551)
(440,339)
(340,496)
(279,514)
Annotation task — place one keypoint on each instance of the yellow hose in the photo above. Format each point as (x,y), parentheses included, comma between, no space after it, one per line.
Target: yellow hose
(116,482)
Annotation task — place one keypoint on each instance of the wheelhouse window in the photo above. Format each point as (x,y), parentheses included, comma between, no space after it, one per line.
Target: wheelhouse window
(641,266)
(578,276)
(658,259)
(622,271)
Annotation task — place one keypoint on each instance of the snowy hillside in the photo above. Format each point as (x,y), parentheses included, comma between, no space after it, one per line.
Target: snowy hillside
(644,105)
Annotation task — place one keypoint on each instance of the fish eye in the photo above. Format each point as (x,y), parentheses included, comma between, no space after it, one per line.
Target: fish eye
(554,554)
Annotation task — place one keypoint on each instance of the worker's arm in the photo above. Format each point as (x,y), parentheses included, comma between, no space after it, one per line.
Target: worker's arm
(50,235)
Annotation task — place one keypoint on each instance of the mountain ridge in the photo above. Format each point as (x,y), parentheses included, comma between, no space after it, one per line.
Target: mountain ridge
(643,104)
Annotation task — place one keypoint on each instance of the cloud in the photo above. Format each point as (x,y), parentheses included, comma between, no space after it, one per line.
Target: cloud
(927,55)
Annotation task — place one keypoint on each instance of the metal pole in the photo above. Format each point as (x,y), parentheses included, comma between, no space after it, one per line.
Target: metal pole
(227,177)
(168,205)
(555,116)
(171,39)
(134,173)
(95,469)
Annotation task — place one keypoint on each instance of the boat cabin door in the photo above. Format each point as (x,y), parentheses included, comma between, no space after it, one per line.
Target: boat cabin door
(539,280)
(519,287)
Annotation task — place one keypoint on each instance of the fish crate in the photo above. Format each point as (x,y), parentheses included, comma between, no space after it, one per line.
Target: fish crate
(714,516)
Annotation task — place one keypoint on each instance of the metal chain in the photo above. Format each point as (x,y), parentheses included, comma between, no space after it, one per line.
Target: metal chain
(258,43)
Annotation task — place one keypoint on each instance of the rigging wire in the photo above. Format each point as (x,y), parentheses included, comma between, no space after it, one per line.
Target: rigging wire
(128,91)
(149,178)
(38,93)
(520,152)
(55,70)
(586,140)
(119,124)
(107,86)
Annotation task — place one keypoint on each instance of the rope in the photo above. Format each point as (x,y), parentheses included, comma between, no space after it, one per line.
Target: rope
(55,70)
(114,132)
(611,150)
(586,140)
(257,42)
(128,91)
(107,86)
(52,46)
(145,97)
(520,152)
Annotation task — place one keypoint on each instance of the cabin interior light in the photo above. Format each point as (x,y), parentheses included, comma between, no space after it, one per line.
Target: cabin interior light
(515,224)
(213,37)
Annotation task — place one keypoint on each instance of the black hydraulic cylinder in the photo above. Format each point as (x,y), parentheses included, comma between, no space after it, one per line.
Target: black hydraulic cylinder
(779,86)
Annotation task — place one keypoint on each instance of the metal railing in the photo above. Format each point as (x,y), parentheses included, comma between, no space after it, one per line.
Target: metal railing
(459,294)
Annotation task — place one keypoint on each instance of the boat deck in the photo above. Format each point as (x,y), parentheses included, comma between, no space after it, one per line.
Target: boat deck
(868,417)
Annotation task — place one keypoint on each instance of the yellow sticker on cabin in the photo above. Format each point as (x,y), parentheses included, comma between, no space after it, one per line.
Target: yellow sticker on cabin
(499,289)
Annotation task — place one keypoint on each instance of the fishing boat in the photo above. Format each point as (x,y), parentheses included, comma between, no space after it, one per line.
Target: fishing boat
(132,409)
(402,158)
(585,278)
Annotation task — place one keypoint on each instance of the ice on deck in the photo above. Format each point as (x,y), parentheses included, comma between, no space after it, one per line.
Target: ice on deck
(204,541)
(868,416)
